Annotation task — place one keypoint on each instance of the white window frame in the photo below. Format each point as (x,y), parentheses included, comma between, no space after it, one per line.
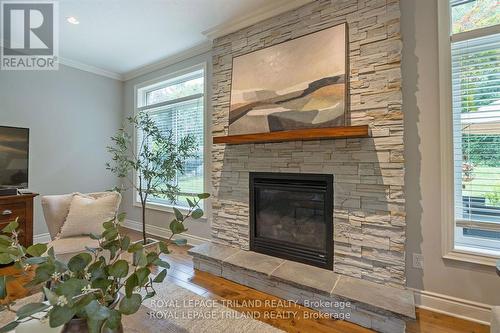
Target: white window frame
(154,84)
(448,230)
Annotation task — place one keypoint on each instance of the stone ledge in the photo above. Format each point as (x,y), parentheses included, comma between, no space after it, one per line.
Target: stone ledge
(214,252)
(376,306)
(400,301)
(304,276)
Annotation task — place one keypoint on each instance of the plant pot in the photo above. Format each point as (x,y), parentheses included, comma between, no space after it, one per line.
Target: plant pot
(152,245)
(79,325)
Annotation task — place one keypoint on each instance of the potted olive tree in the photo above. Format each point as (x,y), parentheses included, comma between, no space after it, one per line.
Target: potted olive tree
(151,165)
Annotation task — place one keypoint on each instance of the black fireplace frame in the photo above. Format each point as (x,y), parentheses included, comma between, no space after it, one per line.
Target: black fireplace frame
(287,250)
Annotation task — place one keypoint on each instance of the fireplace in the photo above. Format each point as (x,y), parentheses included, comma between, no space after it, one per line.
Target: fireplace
(291,217)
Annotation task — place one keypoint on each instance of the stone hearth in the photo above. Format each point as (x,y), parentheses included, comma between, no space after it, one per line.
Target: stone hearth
(372,305)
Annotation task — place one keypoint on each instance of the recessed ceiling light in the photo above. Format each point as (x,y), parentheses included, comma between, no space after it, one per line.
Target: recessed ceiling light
(72,20)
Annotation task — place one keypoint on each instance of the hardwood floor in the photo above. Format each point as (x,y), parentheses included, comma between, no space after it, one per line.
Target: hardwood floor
(290,318)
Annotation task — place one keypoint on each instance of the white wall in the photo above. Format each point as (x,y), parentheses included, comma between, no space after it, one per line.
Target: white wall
(71,115)
(422,153)
(199,229)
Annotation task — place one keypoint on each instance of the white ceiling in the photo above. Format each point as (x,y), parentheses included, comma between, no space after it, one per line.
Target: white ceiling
(122,35)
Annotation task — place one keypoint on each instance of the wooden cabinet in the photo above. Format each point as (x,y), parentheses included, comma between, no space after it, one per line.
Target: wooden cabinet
(20,207)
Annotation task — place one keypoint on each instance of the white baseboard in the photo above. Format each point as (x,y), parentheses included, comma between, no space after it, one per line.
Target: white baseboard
(164,232)
(41,238)
(452,306)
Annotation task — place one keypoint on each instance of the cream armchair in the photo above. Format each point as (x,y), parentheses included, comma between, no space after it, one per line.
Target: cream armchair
(55,211)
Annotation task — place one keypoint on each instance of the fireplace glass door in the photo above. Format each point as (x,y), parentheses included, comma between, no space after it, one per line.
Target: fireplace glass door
(291,216)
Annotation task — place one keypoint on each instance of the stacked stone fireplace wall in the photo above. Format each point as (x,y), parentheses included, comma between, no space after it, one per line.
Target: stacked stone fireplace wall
(369,205)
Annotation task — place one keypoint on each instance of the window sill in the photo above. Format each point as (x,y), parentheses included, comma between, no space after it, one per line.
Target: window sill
(469,255)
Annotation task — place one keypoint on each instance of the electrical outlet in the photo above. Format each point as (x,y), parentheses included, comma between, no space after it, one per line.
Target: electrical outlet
(418,260)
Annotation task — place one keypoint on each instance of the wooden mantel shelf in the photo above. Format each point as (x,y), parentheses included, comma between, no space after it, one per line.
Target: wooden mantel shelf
(344,132)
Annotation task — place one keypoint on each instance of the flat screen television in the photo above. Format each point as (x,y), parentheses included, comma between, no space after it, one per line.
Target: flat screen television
(14,154)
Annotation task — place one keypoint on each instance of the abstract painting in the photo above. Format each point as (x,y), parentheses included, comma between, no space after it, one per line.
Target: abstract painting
(297,84)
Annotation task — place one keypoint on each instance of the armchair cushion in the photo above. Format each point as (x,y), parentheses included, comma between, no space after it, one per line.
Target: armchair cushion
(55,209)
(87,214)
(65,248)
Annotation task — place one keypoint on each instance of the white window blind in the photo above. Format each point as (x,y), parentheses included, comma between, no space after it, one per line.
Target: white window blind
(476,139)
(177,107)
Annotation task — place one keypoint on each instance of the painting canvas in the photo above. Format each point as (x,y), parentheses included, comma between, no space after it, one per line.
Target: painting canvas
(296,84)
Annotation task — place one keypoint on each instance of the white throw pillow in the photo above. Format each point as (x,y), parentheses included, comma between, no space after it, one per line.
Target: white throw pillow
(87,214)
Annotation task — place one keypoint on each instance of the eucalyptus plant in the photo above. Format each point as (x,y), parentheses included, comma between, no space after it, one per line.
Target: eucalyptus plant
(88,285)
(152,164)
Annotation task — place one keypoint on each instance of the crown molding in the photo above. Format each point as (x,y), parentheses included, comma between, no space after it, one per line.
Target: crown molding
(91,69)
(171,60)
(274,8)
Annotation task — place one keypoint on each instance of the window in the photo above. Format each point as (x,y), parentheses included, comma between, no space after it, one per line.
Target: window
(177,105)
(474,54)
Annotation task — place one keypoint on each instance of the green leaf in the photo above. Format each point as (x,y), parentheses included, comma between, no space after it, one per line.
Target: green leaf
(5,259)
(5,240)
(101,283)
(29,309)
(176,227)
(35,260)
(142,275)
(197,213)
(51,253)
(9,327)
(60,315)
(97,265)
(51,296)
(110,234)
(190,203)
(108,224)
(121,217)
(10,250)
(140,258)
(44,272)
(12,226)
(79,262)
(114,319)
(125,243)
(161,263)
(130,284)
(119,269)
(135,247)
(160,277)
(202,196)
(178,215)
(130,305)
(164,248)
(3,286)
(71,287)
(36,250)
(98,273)
(151,257)
(96,311)
(82,302)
